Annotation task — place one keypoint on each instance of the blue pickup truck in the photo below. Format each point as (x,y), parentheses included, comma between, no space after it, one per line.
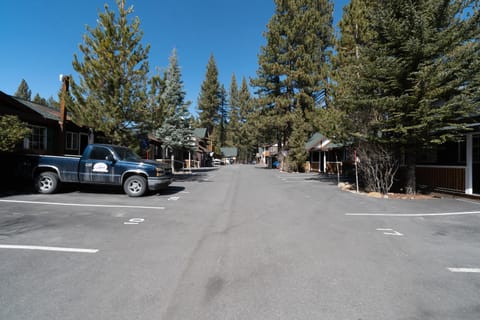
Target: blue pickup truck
(100,164)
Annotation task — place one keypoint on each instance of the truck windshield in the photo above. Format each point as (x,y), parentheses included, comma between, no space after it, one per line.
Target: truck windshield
(126,154)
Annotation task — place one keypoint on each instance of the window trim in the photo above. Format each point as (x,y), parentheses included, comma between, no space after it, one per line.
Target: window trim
(27,141)
(72,138)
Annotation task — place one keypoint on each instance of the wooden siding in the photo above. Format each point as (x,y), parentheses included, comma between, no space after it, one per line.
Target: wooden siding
(315,166)
(450,178)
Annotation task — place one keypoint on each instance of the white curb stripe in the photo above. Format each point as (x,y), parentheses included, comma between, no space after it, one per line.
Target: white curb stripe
(61,249)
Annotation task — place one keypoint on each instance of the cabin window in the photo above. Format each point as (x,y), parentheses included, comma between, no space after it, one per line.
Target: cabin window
(36,140)
(71,141)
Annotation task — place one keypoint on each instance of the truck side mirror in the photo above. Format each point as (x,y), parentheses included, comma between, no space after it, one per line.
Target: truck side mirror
(110,158)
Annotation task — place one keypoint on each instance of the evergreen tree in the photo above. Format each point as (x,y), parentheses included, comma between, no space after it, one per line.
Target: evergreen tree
(298,154)
(156,106)
(52,103)
(40,100)
(176,131)
(249,128)
(245,102)
(209,97)
(173,94)
(223,115)
(418,74)
(24,91)
(234,125)
(111,94)
(355,35)
(294,66)
(12,131)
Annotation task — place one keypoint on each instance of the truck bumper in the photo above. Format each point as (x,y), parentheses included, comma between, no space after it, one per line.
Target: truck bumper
(158,183)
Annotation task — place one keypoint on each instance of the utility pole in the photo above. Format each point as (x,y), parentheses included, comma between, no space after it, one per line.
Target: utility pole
(63,113)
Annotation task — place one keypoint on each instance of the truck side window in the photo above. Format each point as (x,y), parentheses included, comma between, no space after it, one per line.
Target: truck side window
(100,153)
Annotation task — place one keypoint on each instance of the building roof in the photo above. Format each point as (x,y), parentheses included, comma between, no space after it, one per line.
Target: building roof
(315,141)
(319,142)
(228,152)
(331,145)
(200,132)
(44,111)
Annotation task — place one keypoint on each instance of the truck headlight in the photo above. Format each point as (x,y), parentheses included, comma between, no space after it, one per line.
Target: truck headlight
(160,171)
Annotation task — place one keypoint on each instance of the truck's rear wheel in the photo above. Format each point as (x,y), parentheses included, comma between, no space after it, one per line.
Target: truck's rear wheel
(135,186)
(47,182)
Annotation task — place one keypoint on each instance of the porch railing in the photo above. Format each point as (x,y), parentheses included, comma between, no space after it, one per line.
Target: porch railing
(442,177)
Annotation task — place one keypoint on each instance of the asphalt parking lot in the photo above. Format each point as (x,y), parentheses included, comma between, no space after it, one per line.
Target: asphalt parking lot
(238,242)
(23,211)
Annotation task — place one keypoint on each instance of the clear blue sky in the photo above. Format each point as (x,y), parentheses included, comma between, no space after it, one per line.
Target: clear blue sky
(39,38)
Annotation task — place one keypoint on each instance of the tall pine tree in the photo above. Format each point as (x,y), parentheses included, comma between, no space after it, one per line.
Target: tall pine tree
(294,69)
(417,74)
(209,98)
(233,129)
(219,133)
(155,105)
(176,131)
(38,99)
(113,67)
(23,91)
(341,118)
(248,129)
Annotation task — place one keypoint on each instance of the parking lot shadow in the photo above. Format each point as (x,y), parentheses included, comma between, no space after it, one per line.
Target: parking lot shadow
(19,187)
(329,178)
(170,191)
(27,189)
(119,190)
(194,176)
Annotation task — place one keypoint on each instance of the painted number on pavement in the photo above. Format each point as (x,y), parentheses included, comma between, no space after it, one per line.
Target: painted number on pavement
(134,221)
(390,232)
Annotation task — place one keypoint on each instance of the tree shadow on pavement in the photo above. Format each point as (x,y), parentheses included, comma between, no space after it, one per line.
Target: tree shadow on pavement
(187,177)
(332,179)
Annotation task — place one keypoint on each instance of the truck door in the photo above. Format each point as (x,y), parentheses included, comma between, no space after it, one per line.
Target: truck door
(98,166)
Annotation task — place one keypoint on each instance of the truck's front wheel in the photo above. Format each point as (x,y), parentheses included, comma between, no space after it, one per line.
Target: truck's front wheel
(46,182)
(135,186)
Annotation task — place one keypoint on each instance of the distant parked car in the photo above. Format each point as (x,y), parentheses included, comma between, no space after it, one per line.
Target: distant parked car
(217,162)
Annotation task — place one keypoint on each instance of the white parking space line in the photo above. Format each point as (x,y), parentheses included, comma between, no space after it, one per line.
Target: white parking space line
(465,270)
(82,204)
(413,214)
(42,248)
